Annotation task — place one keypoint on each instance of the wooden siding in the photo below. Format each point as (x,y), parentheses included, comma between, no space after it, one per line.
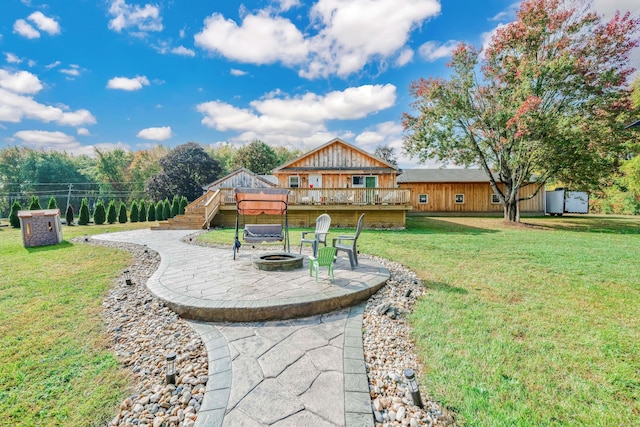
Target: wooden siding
(333,179)
(477,197)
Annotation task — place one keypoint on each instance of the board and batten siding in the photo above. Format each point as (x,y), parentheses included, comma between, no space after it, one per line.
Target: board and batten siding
(477,197)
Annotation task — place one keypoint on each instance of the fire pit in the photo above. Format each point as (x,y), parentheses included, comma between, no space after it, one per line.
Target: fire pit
(278,261)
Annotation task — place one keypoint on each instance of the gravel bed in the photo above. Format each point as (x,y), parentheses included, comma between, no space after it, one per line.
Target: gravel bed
(143,331)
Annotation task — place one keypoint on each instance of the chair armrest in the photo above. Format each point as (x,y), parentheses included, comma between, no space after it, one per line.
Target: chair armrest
(304,233)
(312,258)
(340,238)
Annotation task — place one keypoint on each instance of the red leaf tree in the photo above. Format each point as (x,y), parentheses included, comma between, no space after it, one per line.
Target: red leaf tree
(543,101)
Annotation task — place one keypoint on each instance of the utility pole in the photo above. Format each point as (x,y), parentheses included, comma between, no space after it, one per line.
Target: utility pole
(69,195)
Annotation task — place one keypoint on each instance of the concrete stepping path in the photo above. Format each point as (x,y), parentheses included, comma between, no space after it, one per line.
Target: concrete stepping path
(305,371)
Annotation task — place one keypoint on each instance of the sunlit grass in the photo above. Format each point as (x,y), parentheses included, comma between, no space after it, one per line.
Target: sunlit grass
(55,367)
(534,325)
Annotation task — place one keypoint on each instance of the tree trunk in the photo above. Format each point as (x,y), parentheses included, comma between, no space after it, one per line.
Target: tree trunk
(511,210)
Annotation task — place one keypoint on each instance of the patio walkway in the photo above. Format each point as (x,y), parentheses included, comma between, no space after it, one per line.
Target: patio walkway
(284,350)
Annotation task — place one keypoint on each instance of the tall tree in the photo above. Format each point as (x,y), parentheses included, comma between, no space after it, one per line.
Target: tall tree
(541,102)
(225,154)
(185,169)
(387,154)
(111,212)
(134,212)
(122,214)
(145,164)
(142,215)
(258,157)
(111,170)
(151,216)
(84,217)
(99,215)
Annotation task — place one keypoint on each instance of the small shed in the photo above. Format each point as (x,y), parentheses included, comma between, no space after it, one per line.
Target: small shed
(243,178)
(40,227)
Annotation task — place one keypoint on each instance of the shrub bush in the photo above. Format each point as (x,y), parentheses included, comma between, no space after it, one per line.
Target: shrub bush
(166,209)
(69,215)
(13,216)
(35,204)
(122,216)
(142,215)
(100,215)
(52,203)
(152,212)
(133,213)
(175,206)
(183,204)
(84,213)
(159,209)
(111,213)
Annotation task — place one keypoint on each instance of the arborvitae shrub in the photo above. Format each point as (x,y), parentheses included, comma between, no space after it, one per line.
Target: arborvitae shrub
(111,213)
(183,204)
(122,215)
(159,209)
(13,216)
(175,206)
(151,216)
(100,214)
(35,204)
(52,203)
(133,214)
(166,210)
(69,215)
(84,213)
(142,215)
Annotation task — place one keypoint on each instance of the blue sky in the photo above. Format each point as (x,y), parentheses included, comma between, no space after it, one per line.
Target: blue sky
(79,74)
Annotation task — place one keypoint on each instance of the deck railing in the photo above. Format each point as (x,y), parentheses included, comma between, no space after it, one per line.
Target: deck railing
(337,196)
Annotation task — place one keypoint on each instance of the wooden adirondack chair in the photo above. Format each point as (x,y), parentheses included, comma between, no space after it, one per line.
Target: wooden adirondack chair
(326,257)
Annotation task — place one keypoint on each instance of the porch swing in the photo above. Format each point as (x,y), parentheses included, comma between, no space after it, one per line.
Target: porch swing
(256,201)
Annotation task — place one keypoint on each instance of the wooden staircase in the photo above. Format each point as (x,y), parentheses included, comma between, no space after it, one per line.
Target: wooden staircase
(197,215)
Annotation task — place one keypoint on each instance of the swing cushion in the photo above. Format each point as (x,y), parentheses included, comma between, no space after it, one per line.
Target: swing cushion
(255,233)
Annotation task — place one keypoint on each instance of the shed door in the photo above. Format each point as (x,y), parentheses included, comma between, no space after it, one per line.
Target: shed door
(315,180)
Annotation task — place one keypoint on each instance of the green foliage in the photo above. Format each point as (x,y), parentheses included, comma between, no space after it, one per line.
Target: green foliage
(387,154)
(69,215)
(122,214)
(111,213)
(258,157)
(142,215)
(84,213)
(111,169)
(635,92)
(134,212)
(13,216)
(100,214)
(183,204)
(52,203)
(166,209)
(225,155)
(175,206)
(35,204)
(151,216)
(185,169)
(159,209)
(530,106)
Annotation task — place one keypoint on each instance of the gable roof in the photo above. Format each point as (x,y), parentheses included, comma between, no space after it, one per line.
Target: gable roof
(443,175)
(332,142)
(241,171)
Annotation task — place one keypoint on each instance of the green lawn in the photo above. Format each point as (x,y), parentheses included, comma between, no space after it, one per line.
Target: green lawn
(55,368)
(524,326)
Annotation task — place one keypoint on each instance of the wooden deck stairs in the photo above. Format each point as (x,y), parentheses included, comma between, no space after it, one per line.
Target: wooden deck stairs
(197,214)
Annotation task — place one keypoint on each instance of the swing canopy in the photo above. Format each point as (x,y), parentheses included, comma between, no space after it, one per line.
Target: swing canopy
(256,201)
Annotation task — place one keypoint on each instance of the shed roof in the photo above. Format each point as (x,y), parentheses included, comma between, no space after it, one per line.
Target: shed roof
(245,171)
(41,212)
(443,175)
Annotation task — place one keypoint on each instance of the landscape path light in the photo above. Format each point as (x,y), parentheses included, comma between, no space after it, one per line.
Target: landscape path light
(127,277)
(413,387)
(170,375)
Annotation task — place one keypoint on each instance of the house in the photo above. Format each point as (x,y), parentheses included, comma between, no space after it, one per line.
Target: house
(460,191)
(40,227)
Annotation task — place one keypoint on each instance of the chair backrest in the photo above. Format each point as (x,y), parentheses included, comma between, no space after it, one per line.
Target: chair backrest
(359,227)
(323,222)
(326,255)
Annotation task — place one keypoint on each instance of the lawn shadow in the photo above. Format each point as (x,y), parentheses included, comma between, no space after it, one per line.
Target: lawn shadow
(47,248)
(429,225)
(444,287)
(593,224)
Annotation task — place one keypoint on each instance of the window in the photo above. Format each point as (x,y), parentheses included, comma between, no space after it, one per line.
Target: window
(423,199)
(28,229)
(294,181)
(459,198)
(494,199)
(357,181)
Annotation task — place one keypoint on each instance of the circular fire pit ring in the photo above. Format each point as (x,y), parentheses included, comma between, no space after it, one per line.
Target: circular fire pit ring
(278,261)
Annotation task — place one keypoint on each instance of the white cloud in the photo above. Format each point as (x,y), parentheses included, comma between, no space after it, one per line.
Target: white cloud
(52,65)
(44,23)
(486,37)
(404,57)
(60,141)
(73,70)
(12,58)
(433,50)
(14,107)
(288,4)
(156,134)
(236,72)
(20,82)
(183,51)
(351,35)
(83,132)
(508,14)
(608,8)
(25,29)
(260,39)
(285,120)
(142,19)
(124,83)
